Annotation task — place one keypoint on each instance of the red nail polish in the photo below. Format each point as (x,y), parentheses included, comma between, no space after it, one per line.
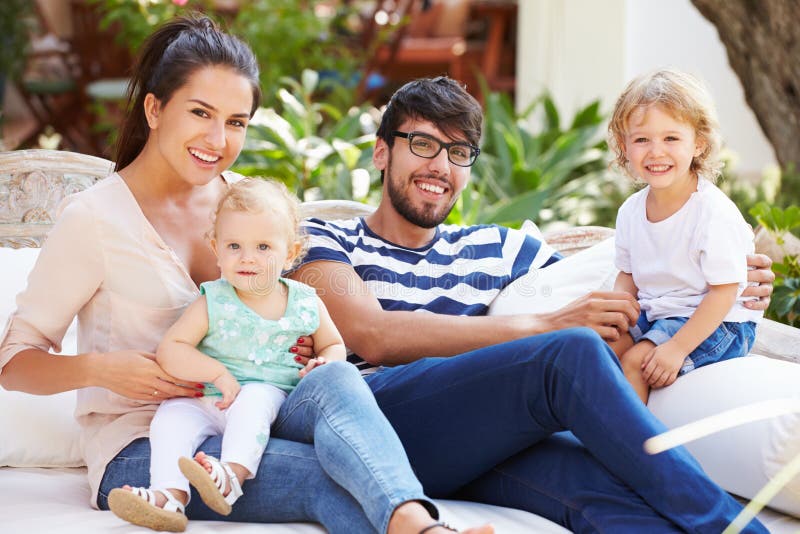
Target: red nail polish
(199,386)
(293,349)
(300,341)
(198,394)
(297,359)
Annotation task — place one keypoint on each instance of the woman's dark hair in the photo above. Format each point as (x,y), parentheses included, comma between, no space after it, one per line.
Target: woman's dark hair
(167,59)
(442,101)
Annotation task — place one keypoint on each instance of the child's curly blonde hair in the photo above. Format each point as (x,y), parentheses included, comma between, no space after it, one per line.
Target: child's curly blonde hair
(685,98)
(258,195)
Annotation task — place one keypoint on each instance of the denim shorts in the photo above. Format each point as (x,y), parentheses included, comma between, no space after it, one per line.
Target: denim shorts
(728,341)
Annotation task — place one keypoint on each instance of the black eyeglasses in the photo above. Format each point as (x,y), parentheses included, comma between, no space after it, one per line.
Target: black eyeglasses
(427,146)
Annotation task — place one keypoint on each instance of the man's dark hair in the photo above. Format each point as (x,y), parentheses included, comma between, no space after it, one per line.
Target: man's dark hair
(442,101)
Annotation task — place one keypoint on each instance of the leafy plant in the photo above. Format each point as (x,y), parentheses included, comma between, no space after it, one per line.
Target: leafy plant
(543,174)
(313,147)
(290,36)
(136,19)
(785,304)
(287,36)
(14,36)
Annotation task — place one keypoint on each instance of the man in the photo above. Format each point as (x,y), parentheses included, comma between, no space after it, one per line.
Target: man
(475,399)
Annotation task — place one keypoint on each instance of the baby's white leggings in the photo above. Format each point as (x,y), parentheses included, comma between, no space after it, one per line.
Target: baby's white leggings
(181,425)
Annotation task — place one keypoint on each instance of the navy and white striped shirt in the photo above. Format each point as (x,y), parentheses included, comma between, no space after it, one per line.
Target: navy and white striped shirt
(458,273)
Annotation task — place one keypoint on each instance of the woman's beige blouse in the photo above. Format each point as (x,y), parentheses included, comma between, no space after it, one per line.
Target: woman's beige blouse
(105,263)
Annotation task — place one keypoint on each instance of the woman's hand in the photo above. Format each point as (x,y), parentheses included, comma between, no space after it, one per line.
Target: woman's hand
(136,375)
(763,275)
(303,352)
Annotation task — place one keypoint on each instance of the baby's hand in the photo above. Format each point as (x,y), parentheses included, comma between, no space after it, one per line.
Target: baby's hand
(312,363)
(660,367)
(229,387)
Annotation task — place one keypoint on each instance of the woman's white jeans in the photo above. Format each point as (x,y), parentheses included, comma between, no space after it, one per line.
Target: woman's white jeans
(181,425)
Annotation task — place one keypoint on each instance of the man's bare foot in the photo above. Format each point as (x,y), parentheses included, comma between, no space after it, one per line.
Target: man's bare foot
(411,518)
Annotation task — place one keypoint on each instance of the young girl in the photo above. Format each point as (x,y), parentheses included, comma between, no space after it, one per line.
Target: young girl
(681,243)
(237,336)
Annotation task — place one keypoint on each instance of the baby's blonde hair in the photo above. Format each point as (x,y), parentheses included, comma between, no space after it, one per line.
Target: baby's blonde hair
(685,98)
(258,195)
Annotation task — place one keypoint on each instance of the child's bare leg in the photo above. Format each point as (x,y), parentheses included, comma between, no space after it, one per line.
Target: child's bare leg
(411,517)
(622,345)
(632,367)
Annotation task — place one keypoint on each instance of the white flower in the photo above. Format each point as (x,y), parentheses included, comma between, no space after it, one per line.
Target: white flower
(262,338)
(280,340)
(284,323)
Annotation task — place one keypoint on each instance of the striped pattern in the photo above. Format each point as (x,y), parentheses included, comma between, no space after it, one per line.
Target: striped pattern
(459,273)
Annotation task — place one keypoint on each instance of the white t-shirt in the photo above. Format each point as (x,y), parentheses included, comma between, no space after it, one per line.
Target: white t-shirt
(675,260)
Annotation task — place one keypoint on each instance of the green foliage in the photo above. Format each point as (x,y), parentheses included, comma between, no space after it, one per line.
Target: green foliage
(290,36)
(545,174)
(785,305)
(136,19)
(313,147)
(15,16)
(287,36)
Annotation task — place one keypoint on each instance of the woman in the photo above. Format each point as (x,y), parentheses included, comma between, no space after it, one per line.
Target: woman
(127,255)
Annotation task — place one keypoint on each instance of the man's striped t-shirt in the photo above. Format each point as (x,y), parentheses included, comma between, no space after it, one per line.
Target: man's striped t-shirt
(458,273)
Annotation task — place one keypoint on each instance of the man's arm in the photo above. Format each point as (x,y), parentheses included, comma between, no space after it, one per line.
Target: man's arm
(396,337)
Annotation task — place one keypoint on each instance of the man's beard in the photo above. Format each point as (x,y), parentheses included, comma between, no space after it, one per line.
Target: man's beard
(419,216)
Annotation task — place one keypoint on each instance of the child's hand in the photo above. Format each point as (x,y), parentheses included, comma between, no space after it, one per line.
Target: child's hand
(312,363)
(229,387)
(660,367)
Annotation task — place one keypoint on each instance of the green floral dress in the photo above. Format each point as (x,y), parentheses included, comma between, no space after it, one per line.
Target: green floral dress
(255,349)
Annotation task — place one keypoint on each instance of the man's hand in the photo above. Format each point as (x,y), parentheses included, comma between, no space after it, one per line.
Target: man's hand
(609,313)
(660,367)
(229,387)
(763,275)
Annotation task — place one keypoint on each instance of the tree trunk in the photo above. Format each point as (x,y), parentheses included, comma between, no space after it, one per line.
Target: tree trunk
(763,45)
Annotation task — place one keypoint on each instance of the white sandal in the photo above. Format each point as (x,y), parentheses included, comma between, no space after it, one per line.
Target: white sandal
(211,485)
(138,506)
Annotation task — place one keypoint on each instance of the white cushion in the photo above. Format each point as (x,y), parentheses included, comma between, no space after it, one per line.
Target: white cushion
(741,460)
(557,285)
(38,431)
(744,458)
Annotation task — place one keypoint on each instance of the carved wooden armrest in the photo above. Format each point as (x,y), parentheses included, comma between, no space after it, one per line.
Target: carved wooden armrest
(573,240)
(32,185)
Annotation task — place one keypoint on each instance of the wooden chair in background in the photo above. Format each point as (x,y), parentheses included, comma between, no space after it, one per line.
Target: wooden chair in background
(407,39)
(51,88)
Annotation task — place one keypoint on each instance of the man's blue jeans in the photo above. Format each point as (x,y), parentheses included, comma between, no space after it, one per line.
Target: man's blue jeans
(479,426)
(351,479)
